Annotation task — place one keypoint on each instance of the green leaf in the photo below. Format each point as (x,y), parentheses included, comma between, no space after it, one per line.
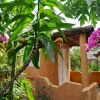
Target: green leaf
(49,48)
(13,4)
(25,84)
(35,59)
(18,30)
(68,12)
(82,21)
(36,27)
(54,3)
(62,8)
(12,53)
(18,17)
(62,34)
(48,13)
(27,52)
(44,52)
(29,1)
(51,26)
(64,25)
(53,45)
(19,27)
(28,48)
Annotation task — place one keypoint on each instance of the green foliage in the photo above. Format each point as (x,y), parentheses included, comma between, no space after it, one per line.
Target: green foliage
(85,10)
(4,68)
(94,66)
(5,76)
(40,16)
(21,89)
(75,59)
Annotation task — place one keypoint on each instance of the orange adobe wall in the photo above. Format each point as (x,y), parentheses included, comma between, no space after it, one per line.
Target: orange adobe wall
(94,77)
(31,74)
(77,77)
(49,69)
(66,91)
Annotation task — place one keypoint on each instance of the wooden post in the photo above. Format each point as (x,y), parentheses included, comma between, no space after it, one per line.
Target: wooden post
(68,61)
(84,62)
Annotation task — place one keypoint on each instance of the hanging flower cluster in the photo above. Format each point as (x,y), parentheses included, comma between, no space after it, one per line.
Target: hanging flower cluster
(3,39)
(93,40)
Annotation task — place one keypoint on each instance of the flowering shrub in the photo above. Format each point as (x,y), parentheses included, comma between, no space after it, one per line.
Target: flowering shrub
(3,39)
(4,68)
(93,40)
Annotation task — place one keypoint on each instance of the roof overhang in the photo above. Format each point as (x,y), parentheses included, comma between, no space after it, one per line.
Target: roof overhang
(72,35)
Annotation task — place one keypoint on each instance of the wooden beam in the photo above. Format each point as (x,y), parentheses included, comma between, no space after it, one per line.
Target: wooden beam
(84,61)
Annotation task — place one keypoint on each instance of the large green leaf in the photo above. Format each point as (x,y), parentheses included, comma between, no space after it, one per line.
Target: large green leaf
(35,59)
(18,17)
(51,26)
(53,3)
(24,36)
(62,34)
(44,53)
(49,48)
(28,48)
(27,52)
(19,27)
(62,8)
(25,83)
(48,13)
(13,4)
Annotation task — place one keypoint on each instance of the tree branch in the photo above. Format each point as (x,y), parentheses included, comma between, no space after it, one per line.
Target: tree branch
(32,54)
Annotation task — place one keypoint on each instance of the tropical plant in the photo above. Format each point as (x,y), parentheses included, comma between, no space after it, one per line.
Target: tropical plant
(27,23)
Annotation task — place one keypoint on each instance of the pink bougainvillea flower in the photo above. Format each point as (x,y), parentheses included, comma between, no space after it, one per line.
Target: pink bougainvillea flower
(93,40)
(5,39)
